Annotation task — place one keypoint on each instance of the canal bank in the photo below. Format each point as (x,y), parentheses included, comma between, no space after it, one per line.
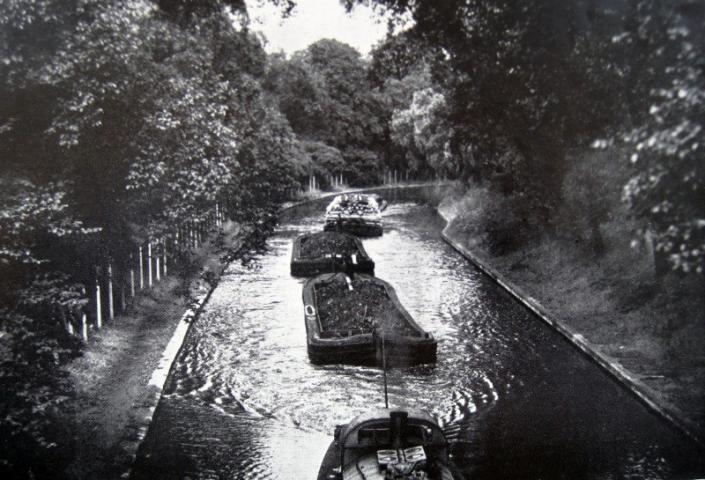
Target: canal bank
(655,390)
(243,393)
(120,376)
(117,401)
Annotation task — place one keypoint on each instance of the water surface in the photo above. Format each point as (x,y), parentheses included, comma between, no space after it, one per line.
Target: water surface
(517,401)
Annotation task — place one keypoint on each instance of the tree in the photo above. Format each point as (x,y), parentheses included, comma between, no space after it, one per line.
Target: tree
(326,95)
(118,121)
(422,131)
(511,77)
(667,188)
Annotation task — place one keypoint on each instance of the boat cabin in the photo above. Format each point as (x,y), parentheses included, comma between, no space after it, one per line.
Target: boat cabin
(392,444)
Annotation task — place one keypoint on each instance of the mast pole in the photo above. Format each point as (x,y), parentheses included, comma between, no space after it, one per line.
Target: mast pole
(384,370)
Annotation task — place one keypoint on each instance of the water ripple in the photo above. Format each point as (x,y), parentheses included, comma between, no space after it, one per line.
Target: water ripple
(242,391)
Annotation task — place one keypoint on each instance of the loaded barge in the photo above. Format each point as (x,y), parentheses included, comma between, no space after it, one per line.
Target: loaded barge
(356,320)
(358,214)
(326,252)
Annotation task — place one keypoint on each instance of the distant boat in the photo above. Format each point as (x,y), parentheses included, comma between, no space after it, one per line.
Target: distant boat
(358,214)
(326,252)
(389,444)
(356,320)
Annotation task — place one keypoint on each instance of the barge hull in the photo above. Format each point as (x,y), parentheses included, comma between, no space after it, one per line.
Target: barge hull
(360,229)
(365,347)
(303,267)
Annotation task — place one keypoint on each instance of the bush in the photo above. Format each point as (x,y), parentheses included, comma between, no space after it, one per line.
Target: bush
(494,220)
(33,386)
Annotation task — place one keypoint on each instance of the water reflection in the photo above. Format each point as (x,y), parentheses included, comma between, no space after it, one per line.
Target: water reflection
(244,402)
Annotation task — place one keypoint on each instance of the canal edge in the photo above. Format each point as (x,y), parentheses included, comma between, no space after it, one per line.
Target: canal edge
(613,368)
(157,381)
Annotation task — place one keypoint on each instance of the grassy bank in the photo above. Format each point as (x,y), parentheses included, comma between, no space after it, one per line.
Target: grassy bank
(111,400)
(589,274)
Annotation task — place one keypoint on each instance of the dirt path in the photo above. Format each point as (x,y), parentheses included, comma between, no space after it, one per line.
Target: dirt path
(112,376)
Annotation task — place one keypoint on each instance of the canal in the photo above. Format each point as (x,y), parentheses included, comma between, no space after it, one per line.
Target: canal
(516,400)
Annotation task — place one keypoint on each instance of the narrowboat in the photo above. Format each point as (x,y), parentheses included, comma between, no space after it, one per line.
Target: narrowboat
(358,214)
(325,252)
(356,318)
(389,444)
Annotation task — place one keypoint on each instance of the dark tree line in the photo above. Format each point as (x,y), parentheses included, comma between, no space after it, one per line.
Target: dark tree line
(121,119)
(526,83)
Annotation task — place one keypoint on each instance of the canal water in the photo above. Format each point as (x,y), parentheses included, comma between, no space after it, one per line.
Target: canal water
(516,400)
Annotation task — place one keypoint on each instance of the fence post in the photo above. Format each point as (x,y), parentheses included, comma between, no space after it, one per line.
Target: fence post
(66,320)
(132,279)
(141,262)
(149,263)
(164,256)
(84,327)
(111,306)
(69,326)
(157,261)
(98,312)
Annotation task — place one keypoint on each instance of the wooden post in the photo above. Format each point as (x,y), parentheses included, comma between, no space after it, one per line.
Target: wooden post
(98,311)
(84,327)
(149,263)
(141,265)
(132,283)
(66,320)
(111,305)
(164,257)
(157,264)
(69,325)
